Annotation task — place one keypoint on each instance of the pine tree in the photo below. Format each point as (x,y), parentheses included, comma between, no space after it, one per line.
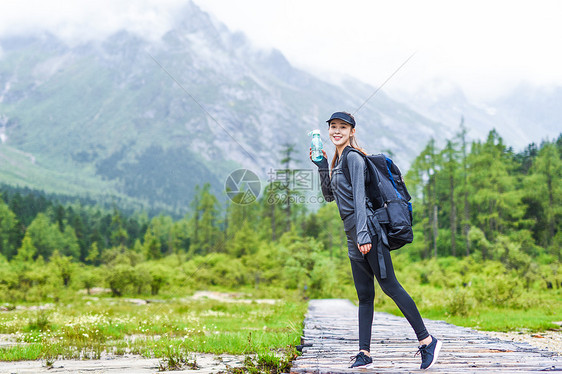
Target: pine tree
(118,234)
(544,186)
(272,211)
(450,167)
(288,183)
(151,245)
(423,174)
(497,200)
(205,222)
(179,236)
(466,207)
(8,227)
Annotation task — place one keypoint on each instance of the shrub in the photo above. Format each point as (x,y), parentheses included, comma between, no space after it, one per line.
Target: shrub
(119,278)
(460,302)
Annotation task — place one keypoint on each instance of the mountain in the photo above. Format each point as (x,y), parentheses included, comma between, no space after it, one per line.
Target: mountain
(146,120)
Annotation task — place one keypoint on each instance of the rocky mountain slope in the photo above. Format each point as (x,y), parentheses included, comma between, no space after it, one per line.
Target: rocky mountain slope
(148,120)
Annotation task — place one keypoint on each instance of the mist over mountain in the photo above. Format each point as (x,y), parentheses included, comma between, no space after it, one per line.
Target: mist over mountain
(147,120)
(533,112)
(522,116)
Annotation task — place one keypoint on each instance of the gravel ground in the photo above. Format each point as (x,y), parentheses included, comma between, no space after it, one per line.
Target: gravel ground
(128,364)
(548,340)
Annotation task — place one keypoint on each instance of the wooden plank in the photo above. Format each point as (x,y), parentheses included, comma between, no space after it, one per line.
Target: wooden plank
(331,330)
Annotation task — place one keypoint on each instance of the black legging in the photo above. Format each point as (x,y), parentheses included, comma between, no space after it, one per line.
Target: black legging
(363,272)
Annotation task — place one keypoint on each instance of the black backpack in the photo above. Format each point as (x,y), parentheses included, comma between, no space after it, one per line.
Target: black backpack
(387,197)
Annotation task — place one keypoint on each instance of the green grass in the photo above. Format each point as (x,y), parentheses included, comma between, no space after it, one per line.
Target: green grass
(16,168)
(501,319)
(85,330)
(533,311)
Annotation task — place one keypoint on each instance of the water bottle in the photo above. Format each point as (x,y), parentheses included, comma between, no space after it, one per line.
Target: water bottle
(316,145)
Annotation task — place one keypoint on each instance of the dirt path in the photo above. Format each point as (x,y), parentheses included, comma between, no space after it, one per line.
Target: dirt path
(548,340)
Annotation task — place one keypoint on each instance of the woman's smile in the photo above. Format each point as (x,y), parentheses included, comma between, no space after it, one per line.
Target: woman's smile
(340,132)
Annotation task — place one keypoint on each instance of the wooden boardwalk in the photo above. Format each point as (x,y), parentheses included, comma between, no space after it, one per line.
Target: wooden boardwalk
(331,330)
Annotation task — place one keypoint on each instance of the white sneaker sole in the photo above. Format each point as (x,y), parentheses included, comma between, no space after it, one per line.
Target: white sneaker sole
(368,366)
(435,353)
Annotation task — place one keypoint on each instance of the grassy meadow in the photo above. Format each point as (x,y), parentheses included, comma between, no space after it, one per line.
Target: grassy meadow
(91,326)
(264,321)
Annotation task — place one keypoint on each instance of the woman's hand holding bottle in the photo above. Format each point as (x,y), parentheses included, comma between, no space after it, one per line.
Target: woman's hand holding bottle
(320,163)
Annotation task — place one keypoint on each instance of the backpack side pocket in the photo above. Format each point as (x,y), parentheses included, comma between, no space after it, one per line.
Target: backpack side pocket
(400,223)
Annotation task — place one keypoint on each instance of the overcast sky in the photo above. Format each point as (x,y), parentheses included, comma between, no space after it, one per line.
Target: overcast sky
(485,47)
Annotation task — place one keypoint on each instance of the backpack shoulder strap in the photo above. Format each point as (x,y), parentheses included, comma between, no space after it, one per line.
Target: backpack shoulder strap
(344,167)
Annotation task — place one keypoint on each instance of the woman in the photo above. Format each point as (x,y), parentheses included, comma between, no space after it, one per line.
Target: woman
(350,199)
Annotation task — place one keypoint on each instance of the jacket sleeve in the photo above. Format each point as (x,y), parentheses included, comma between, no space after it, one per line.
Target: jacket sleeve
(324,171)
(356,165)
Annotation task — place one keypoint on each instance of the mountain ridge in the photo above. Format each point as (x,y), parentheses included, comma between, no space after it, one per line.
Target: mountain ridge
(150,119)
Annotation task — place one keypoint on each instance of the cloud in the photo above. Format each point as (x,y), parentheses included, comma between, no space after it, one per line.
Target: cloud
(485,47)
(77,21)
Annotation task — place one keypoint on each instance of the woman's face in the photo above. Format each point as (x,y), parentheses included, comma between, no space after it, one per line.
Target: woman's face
(340,132)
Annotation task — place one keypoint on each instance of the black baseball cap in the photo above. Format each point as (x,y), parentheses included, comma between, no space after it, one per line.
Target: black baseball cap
(344,117)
